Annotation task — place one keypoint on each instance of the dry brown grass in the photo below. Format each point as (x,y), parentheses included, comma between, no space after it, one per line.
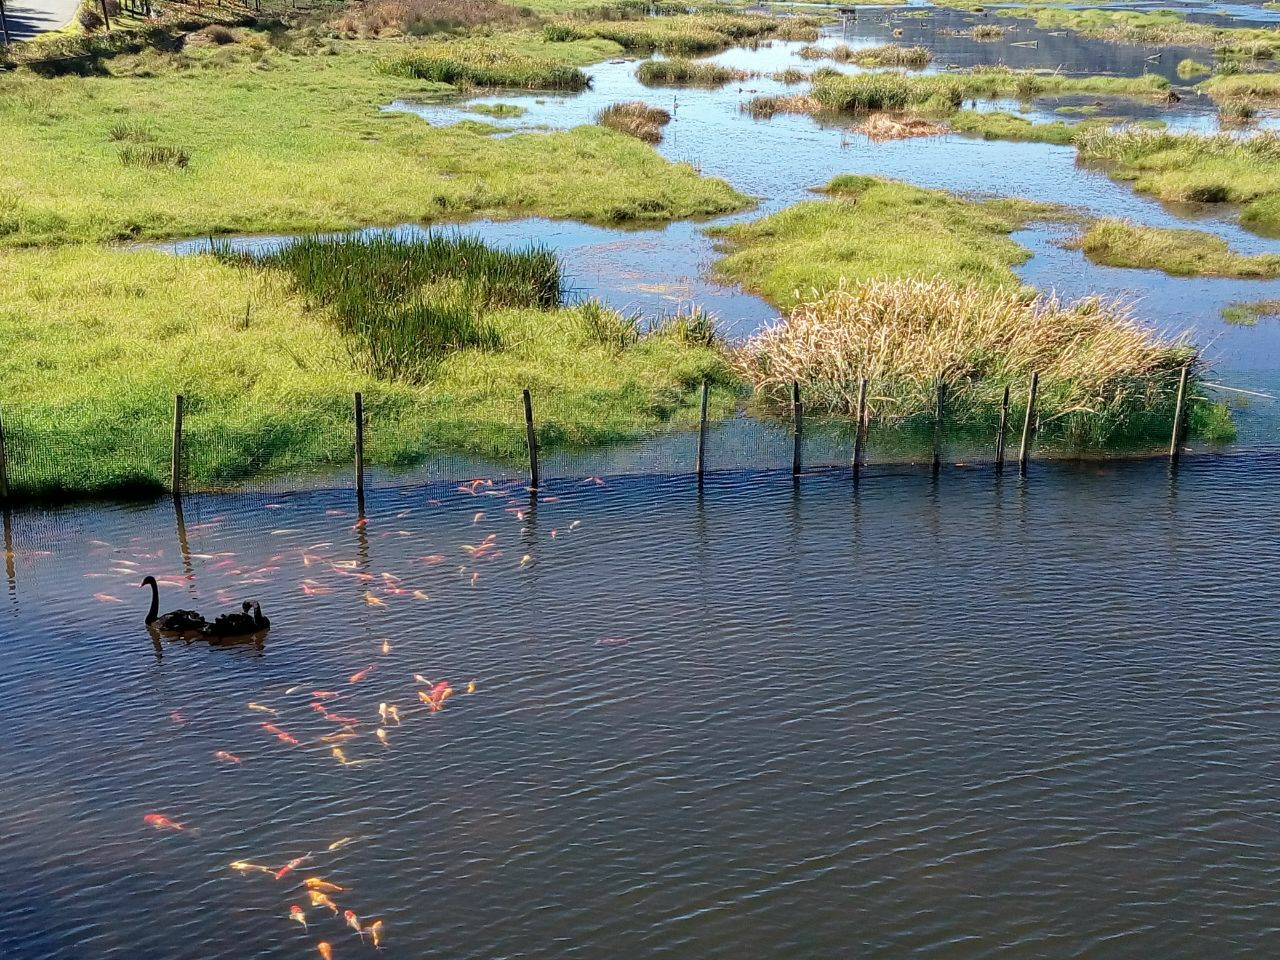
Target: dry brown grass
(764,107)
(906,335)
(393,18)
(882,127)
(636,119)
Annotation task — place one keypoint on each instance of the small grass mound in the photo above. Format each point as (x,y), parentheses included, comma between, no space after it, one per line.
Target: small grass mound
(681,72)
(1248,314)
(883,127)
(420,18)
(887,55)
(636,119)
(484,67)
(1102,373)
(684,35)
(1188,68)
(1184,253)
(155,156)
(497,109)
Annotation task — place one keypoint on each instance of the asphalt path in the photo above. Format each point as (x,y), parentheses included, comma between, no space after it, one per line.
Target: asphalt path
(27,18)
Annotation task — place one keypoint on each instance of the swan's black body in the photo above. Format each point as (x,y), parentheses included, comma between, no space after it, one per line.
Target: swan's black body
(259,621)
(176,621)
(233,624)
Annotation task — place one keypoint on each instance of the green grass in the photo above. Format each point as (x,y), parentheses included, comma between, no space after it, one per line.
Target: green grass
(635,118)
(1156,27)
(690,73)
(1006,126)
(1193,168)
(339,161)
(885,55)
(1184,253)
(1243,86)
(682,35)
(871,228)
(1188,68)
(94,342)
(1248,314)
(497,109)
(481,67)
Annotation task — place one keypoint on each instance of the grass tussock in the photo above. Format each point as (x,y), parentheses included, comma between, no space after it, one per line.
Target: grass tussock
(636,119)
(689,73)
(1188,68)
(485,67)
(155,156)
(1184,253)
(420,18)
(886,55)
(1100,369)
(1195,168)
(1248,314)
(987,32)
(883,127)
(1259,87)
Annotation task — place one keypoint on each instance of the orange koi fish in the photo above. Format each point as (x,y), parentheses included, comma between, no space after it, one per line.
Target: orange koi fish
(324,695)
(382,736)
(177,717)
(374,930)
(353,922)
(107,598)
(326,951)
(419,678)
(312,589)
(280,734)
(339,755)
(229,757)
(360,674)
(319,899)
(324,886)
(336,718)
(295,913)
(161,822)
(420,595)
(373,601)
(339,844)
(432,559)
(338,737)
(362,522)
(386,647)
(471,687)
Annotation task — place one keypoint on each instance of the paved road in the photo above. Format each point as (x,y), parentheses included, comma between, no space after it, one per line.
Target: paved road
(27,18)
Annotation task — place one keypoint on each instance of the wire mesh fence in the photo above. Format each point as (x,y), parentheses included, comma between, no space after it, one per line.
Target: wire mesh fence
(181,448)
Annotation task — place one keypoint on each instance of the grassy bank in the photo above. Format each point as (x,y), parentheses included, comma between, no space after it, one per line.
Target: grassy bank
(1155,27)
(1104,377)
(1194,168)
(1185,253)
(871,228)
(682,35)
(97,341)
(338,161)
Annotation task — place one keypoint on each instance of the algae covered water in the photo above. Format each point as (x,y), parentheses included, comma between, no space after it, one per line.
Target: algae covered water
(952,717)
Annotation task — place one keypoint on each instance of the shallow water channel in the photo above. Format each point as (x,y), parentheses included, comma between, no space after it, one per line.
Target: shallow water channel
(952,718)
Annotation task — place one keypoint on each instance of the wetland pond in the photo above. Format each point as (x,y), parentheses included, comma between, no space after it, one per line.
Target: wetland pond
(950,716)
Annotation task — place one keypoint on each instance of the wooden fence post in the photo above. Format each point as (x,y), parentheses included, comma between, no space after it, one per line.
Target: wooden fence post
(1028,425)
(939,418)
(1004,426)
(860,433)
(1175,441)
(531,437)
(175,478)
(4,465)
(4,24)
(797,421)
(359,446)
(702,433)
(106,16)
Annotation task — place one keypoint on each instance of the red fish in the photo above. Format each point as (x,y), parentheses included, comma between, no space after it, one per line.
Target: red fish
(325,695)
(432,559)
(360,674)
(291,866)
(161,822)
(229,757)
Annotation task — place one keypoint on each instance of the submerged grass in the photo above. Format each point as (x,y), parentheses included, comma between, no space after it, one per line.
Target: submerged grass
(871,228)
(1186,253)
(1248,314)
(1103,375)
(97,341)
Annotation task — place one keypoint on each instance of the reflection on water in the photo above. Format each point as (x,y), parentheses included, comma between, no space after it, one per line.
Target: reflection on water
(955,718)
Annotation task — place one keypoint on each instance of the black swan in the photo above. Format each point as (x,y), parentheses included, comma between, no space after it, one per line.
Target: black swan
(259,621)
(178,621)
(233,624)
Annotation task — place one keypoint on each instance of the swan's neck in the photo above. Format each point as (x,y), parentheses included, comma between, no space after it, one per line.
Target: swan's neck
(154,613)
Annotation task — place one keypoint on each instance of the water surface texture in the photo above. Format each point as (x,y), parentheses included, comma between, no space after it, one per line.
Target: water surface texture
(952,718)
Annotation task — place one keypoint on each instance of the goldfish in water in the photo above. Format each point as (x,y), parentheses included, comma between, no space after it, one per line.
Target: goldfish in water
(106,598)
(382,737)
(280,734)
(386,647)
(339,844)
(339,755)
(421,595)
(261,709)
(338,737)
(291,866)
(161,822)
(324,695)
(374,930)
(478,517)
(419,678)
(326,951)
(474,577)
(353,922)
(393,714)
(295,913)
(373,601)
(471,687)
(575,525)
(319,899)
(229,757)
(360,674)
(324,886)
(526,560)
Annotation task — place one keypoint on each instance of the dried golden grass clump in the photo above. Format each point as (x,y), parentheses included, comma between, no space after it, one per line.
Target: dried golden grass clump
(393,18)
(882,127)
(636,119)
(906,335)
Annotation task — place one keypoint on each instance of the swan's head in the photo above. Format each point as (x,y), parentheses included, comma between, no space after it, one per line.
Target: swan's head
(246,606)
(148,581)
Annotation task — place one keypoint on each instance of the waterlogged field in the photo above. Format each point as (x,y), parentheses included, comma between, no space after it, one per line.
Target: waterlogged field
(758,719)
